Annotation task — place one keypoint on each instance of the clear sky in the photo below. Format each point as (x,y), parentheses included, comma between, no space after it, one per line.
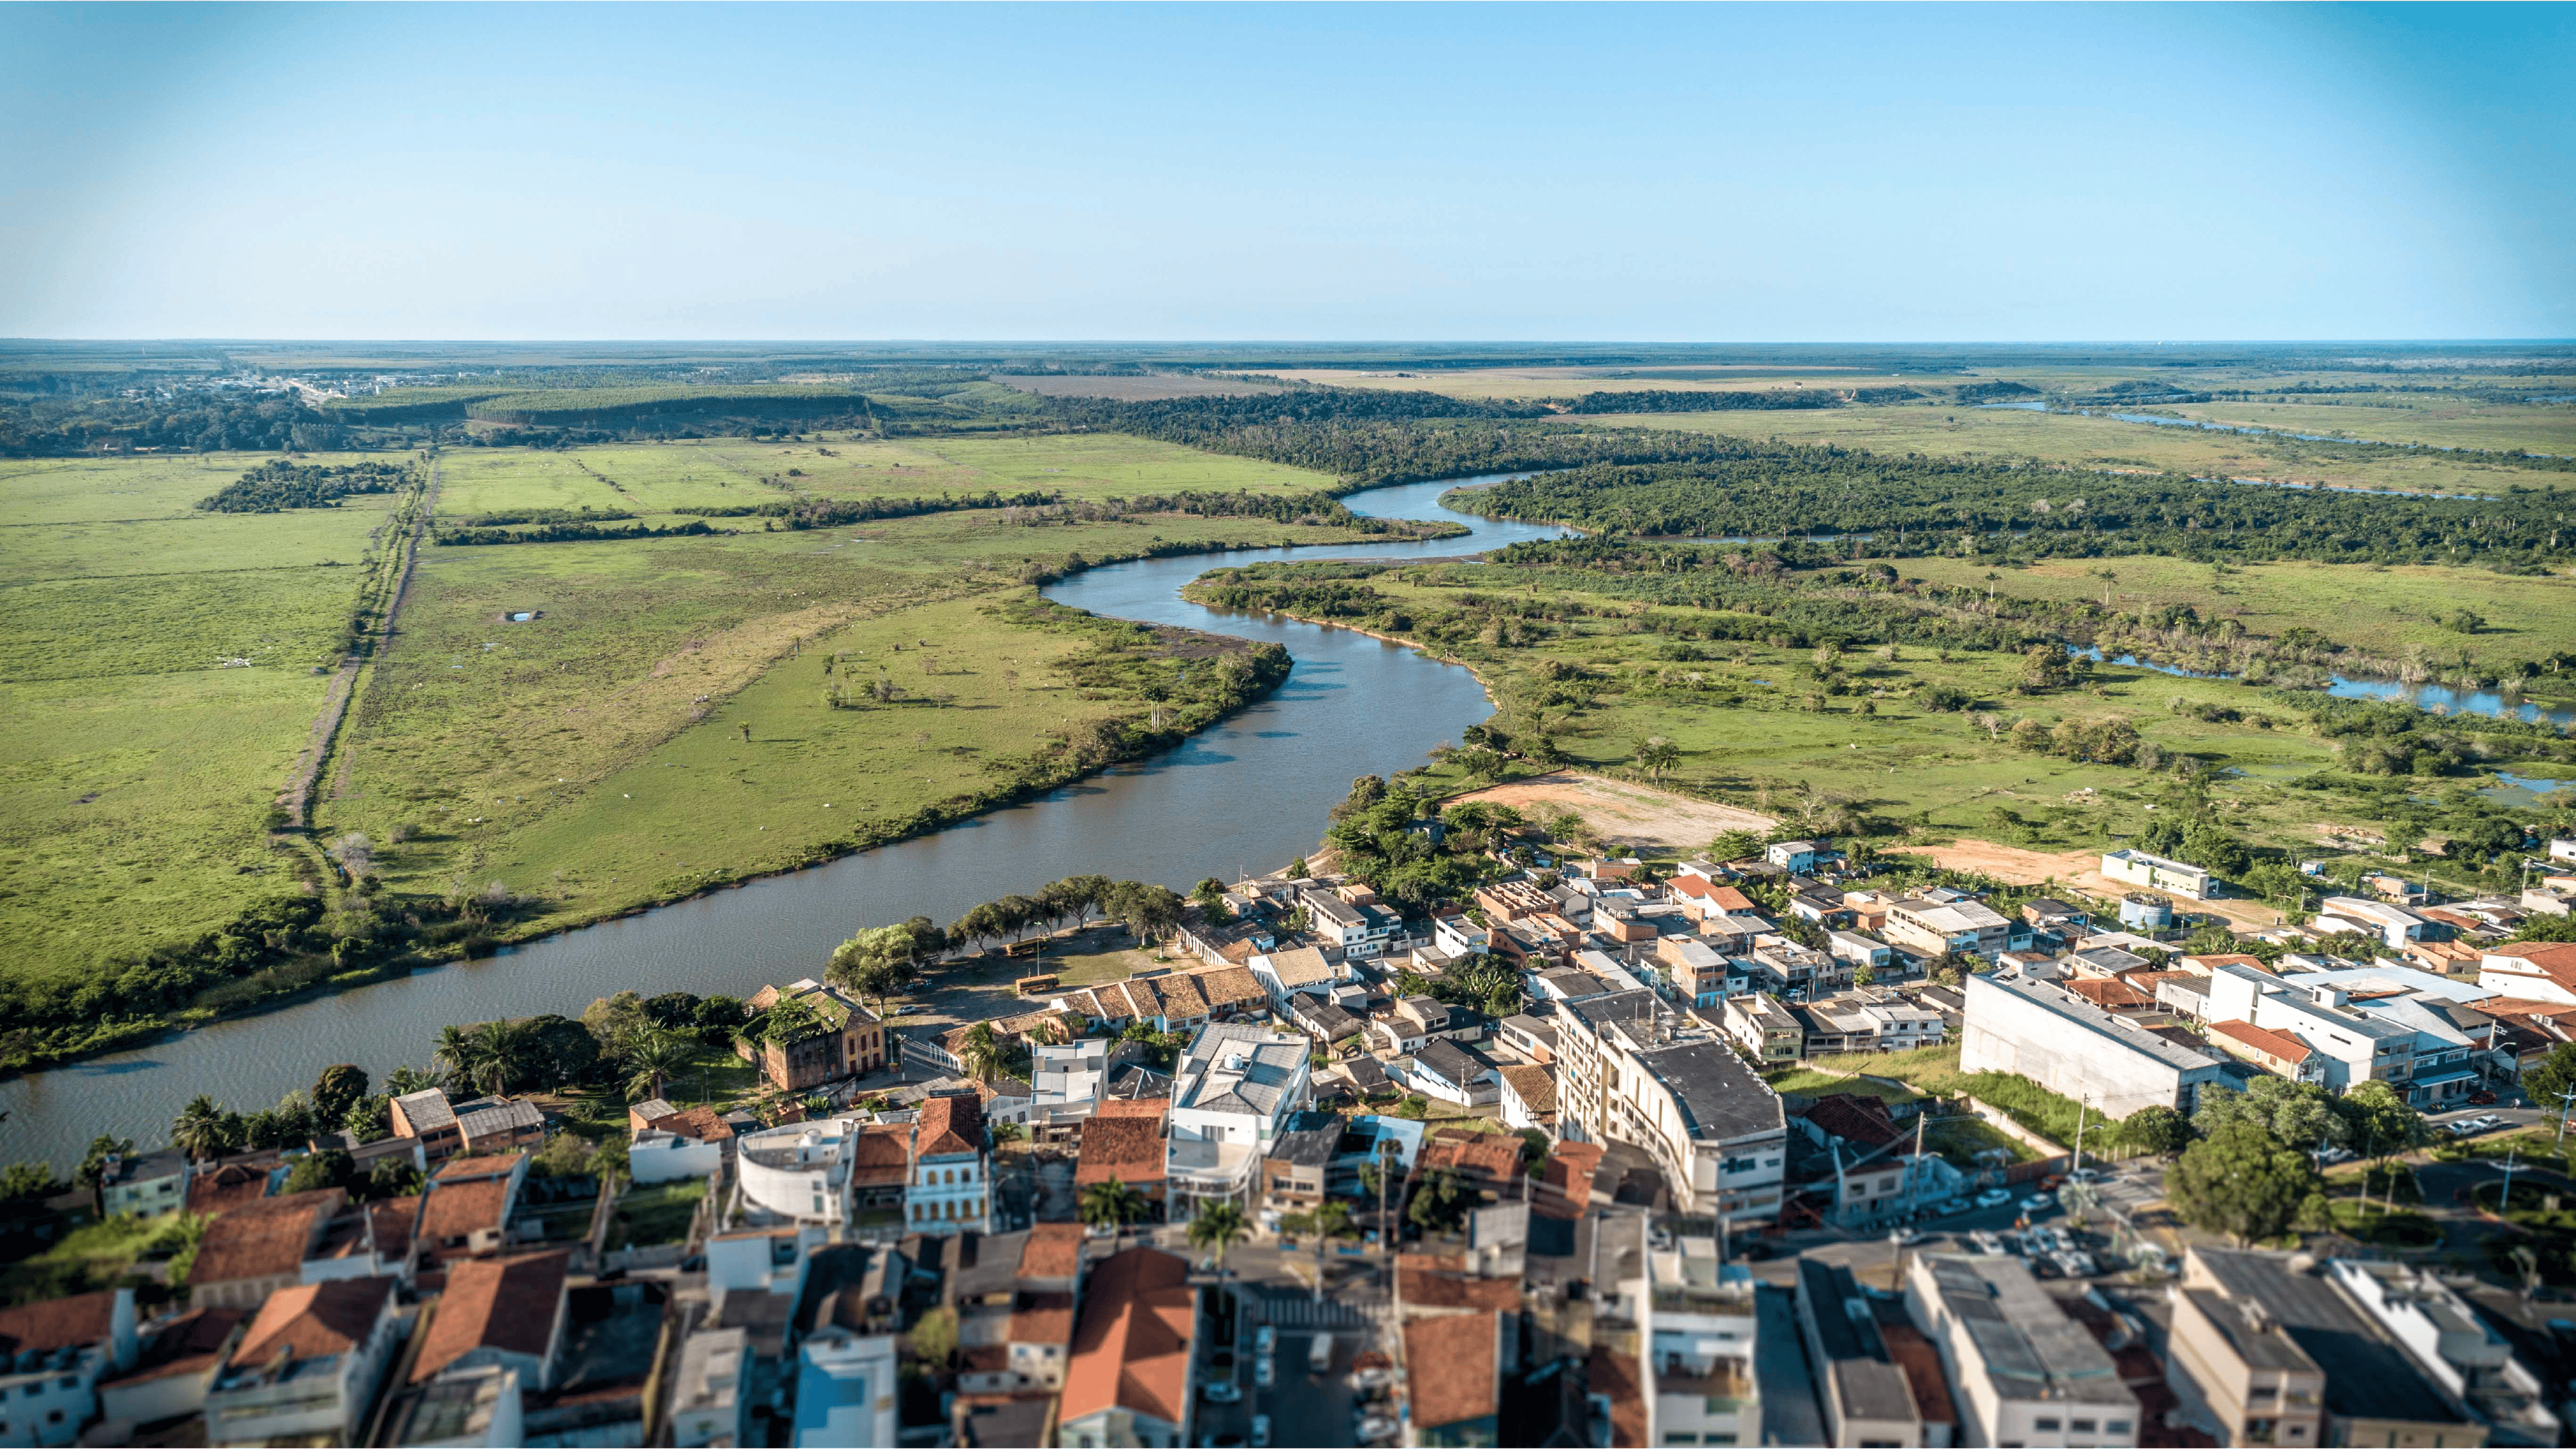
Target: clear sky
(1459,172)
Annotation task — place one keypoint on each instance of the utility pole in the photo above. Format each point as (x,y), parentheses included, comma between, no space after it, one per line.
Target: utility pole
(2566,1099)
(2509,1169)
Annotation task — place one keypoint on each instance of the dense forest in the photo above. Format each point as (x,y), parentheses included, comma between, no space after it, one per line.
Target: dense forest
(1680,401)
(1919,505)
(200,421)
(273,487)
(574,532)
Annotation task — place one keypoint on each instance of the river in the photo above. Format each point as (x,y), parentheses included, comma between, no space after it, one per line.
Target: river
(1247,795)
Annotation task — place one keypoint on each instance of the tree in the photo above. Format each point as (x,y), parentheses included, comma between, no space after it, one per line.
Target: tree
(369,1119)
(933,1339)
(2548,1080)
(1218,1226)
(2241,1181)
(2161,1131)
(93,1165)
(394,1177)
(455,1054)
(1655,755)
(615,1020)
(1147,910)
(981,1052)
(26,1179)
(2296,1114)
(1209,896)
(502,1052)
(405,1080)
(2377,1118)
(876,962)
(565,1154)
(337,1090)
(1735,845)
(1110,1205)
(1440,1201)
(201,1130)
(330,1167)
(652,1057)
(1008,1132)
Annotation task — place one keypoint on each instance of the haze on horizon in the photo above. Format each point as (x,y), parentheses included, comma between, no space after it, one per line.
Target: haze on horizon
(1182,173)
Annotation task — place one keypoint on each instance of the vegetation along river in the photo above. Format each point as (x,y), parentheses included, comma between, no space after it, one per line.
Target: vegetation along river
(1248,795)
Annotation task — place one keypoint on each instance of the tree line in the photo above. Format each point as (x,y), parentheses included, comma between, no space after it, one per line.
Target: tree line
(579,531)
(274,487)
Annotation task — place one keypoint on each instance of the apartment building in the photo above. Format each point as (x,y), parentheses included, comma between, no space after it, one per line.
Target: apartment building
(2039,1030)
(1767,1029)
(2020,1370)
(2368,1390)
(2354,1046)
(1634,1071)
(2136,867)
(1935,928)
(1700,1332)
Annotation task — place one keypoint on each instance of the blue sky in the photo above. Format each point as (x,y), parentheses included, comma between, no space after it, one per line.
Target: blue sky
(1525,172)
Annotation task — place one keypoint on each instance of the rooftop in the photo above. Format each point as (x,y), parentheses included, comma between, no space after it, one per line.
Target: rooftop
(1721,1096)
(1465,1385)
(2271,1043)
(60,1323)
(504,1303)
(1131,1344)
(2031,1349)
(1122,1147)
(264,1239)
(1868,1383)
(2367,1375)
(1308,1139)
(2049,997)
(1535,1086)
(312,1321)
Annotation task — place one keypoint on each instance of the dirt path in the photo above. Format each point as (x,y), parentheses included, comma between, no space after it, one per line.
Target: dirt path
(1625,816)
(2081,869)
(297,798)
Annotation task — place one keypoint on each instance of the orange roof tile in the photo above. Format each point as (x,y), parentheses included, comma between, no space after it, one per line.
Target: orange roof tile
(1451,1370)
(456,1209)
(74,1322)
(233,1185)
(881,1155)
(948,1125)
(1493,1156)
(191,1343)
(1131,1346)
(2109,993)
(506,1303)
(1042,1318)
(266,1238)
(1427,1281)
(1052,1250)
(315,1320)
(2271,1043)
(1614,1375)
(1125,1147)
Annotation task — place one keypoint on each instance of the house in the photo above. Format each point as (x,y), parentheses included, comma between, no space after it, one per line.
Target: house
(2056,917)
(1459,1403)
(709,1405)
(254,1251)
(2136,867)
(1441,1069)
(1798,857)
(2277,1052)
(1765,1027)
(506,1313)
(1936,928)
(1123,1142)
(466,1211)
(1820,905)
(2021,1371)
(670,1144)
(168,1378)
(1294,1173)
(1786,968)
(2039,1030)
(1863,1390)
(951,1188)
(498,1124)
(1233,1089)
(1534,1040)
(2530,971)
(1528,1096)
(1506,901)
(1699,974)
(1345,928)
(2373,1391)
(427,1116)
(143,1184)
(1860,951)
(52,1356)
(1130,1378)
(794,1174)
(2391,925)
(1335,1030)
(307,1367)
(1285,974)
(836,1037)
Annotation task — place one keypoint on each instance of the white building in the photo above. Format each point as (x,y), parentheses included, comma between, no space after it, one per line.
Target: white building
(2038,1030)
(52,1356)
(2357,1046)
(799,1173)
(1936,928)
(846,1389)
(2136,867)
(1635,1071)
(2392,925)
(2452,1345)
(657,1156)
(308,1366)
(951,1189)
(2021,1371)
(1300,970)
(1700,1332)
(1232,1089)
(707,1403)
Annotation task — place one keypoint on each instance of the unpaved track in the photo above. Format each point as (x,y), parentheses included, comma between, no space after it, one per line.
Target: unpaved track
(297,798)
(1624,815)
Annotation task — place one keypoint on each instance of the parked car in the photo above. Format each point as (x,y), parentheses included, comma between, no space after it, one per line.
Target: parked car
(2085,1175)
(1264,1339)
(2337,1154)
(2074,1264)
(1906,1237)
(1265,1371)
(1994,1197)
(1319,1354)
(1261,1431)
(1985,1241)
(1221,1391)
(1954,1205)
(2038,1202)
(2482,1099)
(1372,1427)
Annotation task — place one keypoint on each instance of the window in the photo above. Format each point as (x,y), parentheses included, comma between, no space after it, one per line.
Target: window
(2080,1426)
(2044,1426)
(2116,1426)
(1681,1438)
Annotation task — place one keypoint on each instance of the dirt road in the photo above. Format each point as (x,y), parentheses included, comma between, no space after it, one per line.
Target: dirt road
(2080,869)
(1625,816)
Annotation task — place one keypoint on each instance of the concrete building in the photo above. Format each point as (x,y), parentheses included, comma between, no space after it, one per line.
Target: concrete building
(2390,924)
(1864,1393)
(52,1356)
(2039,1030)
(1936,928)
(2020,1370)
(2451,1345)
(841,1037)
(2354,1046)
(951,1189)
(307,1367)
(143,1184)
(798,1173)
(1701,1332)
(1766,1028)
(1131,1379)
(1233,1090)
(2255,1384)
(2136,867)
(2373,1393)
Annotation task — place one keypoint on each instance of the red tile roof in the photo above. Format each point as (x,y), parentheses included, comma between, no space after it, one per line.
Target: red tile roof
(191,1343)
(2271,1043)
(1052,1250)
(466,1169)
(1043,1318)
(233,1185)
(458,1209)
(504,1303)
(1854,1118)
(1450,1368)
(1535,1086)
(396,1218)
(1614,1374)
(948,1125)
(1488,1158)
(2110,993)
(265,1239)
(1121,1147)
(1564,1187)
(74,1322)
(702,1124)
(1131,1347)
(881,1155)
(315,1320)
(1437,1282)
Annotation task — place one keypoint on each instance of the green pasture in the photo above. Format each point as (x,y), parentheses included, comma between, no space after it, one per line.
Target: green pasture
(2432,418)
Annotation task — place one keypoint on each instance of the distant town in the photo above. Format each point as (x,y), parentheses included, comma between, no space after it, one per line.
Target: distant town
(1774,1149)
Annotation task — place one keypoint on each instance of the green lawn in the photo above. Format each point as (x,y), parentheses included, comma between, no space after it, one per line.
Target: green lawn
(655,1214)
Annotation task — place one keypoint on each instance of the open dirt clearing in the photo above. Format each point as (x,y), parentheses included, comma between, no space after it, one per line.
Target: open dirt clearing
(1625,816)
(2078,868)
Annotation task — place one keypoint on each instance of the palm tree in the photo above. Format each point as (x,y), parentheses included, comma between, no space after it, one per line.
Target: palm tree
(456,1052)
(1110,1205)
(1220,1226)
(981,1052)
(199,1130)
(1657,754)
(501,1056)
(403,1081)
(651,1058)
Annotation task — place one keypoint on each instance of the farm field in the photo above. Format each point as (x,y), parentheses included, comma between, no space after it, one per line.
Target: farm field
(139,770)
(2004,435)
(593,756)
(2384,611)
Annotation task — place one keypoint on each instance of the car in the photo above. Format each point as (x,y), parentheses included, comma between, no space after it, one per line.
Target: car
(2038,1202)
(2488,1121)
(1906,1237)
(1261,1431)
(2073,1264)
(2084,1175)
(1221,1391)
(1954,1205)
(1264,1339)
(1319,1354)
(1986,1242)
(2482,1099)
(1994,1197)
(2337,1154)
(1265,1371)
(1372,1427)
(2464,1128)
(910,1010)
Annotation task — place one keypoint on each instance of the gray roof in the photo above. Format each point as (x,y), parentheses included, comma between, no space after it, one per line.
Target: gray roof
(1789,1412)
(2032,1350)
(2261,1347)
(1309,1139)
(1262,1068)
(146,1167)
(2367,1375)
(1621,1006)
(1722,1097)
(426,1110)
(1453,1065)
(1867,1384)
(1325,1017)
(2075,1009)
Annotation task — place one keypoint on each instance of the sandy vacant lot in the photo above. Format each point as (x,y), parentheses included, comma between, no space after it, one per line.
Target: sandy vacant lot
(2080,869)
(1625,816)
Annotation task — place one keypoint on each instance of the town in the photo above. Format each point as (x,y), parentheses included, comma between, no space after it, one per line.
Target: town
(1774,1146)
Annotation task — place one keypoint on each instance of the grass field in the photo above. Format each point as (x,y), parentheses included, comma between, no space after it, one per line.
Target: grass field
(1488,384)
(2383,611)
(2071,440)
(2444,422)
(137,771)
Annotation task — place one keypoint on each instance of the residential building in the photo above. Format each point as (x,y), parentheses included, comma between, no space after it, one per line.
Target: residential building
(1453,1365)
(484,1406)
(708,1403)
(1766,1028)
(1785,968)
(1697,971)
(1511,900)
(1935,928)
(2021,1371)
(52,1356)
(2136,867)
(427,1116)
(847,1387)
(1798,857)
(840,1037)
(2057,918)
(1864,1392)
(466,1211)
(499,1124)
(1299,1164)
(1123,1142)
(253,1251)
(1534,1040)
(2391,925)
(1283,974)
(167,1379)
(2252,1377)
(2453,1346)
(1860,950)
(1130,1378)
(951,1190)
(505,1313)
(2355,1046)
(1700,1332)
(1715,1128)
(2373,1393)
(143,1184)
(307,1367)
(2038,1030)
(1442,1069)
(1528,1097)
(2530,971)
(1232,1090)
(2277,1052)
(798,1173)
(1342,927)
